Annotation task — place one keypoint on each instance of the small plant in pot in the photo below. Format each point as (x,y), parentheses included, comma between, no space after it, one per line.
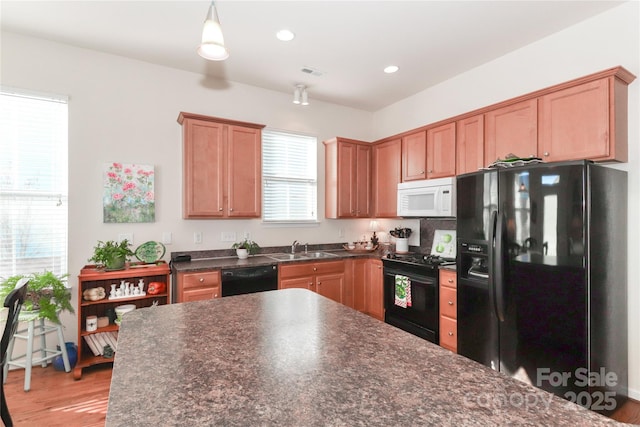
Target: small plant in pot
(111,255)
(47,294)
(245,248)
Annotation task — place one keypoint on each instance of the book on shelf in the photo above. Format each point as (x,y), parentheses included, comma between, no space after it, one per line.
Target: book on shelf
(98,341)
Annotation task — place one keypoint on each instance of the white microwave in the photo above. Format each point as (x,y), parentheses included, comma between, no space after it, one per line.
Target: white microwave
(427,198)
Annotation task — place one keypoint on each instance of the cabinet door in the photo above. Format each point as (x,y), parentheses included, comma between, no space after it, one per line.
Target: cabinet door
(245,172)
(386,176)
(512,130)
(331,286)
(448,306)
(363,181)
(414,156)
(574,123)
(347,185)
(470,144)
(204,169)
(374,292)
(359,279)
(441,151)
(199,294)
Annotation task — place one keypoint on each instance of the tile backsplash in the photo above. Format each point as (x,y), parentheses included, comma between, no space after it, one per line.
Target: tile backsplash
(428,226)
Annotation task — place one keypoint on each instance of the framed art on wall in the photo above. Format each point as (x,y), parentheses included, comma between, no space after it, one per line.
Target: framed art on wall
(128,193)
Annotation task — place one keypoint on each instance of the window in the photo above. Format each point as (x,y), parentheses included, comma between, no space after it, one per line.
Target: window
(289,177)
(33,183)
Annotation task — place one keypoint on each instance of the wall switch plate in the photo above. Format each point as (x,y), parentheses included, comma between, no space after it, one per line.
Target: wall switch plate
(228,236)
(341,232)
(128,236)
(166,237)
(197,237)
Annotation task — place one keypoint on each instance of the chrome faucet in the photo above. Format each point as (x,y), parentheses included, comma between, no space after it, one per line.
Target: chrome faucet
(293,246)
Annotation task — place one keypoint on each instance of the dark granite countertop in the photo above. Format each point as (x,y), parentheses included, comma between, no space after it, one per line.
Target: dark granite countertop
(257,260)
(294,358)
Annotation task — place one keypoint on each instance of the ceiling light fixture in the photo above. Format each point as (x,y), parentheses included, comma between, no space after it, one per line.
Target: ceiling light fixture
(391,69)
(300,95)
(212,46)
(285,35)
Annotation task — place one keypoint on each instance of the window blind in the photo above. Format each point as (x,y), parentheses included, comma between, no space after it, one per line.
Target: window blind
(289,177)
(33,182)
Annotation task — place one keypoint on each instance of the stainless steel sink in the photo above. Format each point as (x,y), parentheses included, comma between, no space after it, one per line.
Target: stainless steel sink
(301,255)
(285,257)
(321,255)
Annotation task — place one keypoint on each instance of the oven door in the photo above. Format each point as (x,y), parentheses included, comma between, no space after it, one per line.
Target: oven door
(422,318)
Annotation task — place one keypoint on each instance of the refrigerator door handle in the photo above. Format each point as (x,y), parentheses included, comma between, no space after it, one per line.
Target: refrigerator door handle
(498,265)
(492,257)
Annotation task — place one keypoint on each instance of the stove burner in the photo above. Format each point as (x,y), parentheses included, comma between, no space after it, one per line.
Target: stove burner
(420,259)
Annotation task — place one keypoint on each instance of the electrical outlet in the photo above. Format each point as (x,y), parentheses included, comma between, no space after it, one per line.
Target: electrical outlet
(341,232)
(166,237)
(247,235)
(197,237)
(128,236)
(228,236)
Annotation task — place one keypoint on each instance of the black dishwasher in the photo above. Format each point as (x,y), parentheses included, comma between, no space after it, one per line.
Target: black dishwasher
(238,281)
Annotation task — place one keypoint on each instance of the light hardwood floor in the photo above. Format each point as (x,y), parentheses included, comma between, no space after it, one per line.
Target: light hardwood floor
(56,399)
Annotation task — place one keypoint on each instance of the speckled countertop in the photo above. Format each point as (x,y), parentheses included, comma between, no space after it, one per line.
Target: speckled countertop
(294,358)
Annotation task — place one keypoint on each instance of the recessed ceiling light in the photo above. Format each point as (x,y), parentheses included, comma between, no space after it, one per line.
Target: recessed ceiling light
(391,69)
(285,35)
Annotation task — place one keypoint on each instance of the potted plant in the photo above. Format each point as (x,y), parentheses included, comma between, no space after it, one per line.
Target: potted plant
(111,255)
(47,294)
(245,248)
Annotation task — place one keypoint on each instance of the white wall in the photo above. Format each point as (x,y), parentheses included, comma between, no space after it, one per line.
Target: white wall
(125,110)
(605,41)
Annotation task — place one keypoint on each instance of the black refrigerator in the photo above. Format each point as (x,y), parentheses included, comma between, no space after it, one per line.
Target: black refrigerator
(542,277)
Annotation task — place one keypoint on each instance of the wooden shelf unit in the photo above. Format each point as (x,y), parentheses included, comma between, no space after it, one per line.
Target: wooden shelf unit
(91,277)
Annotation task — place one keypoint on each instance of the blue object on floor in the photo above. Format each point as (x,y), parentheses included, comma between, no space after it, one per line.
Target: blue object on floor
(72,353)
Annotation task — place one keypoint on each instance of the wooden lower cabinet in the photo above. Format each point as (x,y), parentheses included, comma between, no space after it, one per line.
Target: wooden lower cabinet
(366,286)
(326,278)
(199,285)
(448,310)
(374,290)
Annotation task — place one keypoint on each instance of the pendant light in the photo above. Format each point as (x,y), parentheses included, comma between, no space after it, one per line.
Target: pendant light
(300,96)
(212,46)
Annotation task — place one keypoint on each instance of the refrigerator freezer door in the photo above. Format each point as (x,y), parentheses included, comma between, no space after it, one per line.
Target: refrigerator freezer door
(544,287)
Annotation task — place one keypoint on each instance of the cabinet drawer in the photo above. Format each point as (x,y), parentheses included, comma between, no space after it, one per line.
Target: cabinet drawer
(448,278)
(200,279)
(310,268)
(448,305)
(449,333)
(200,294)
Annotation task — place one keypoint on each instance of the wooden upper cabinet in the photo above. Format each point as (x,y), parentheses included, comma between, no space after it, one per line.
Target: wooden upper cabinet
(512,129)
(222,167)
(386,176)
(580,122)
(470,144)
(347,178)
(203,168)
(414,156)
(441,151)
(245,172)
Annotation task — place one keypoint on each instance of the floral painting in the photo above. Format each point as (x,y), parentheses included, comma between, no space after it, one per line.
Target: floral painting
(128,193)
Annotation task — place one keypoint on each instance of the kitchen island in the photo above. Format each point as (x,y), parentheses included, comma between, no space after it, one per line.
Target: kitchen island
(294,358)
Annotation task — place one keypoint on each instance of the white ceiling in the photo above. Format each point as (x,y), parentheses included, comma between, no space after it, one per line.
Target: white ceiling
(349,41)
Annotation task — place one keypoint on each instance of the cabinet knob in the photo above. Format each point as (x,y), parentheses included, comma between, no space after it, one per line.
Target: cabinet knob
(220,209)
(230,209)
(450,334)
(546,154)
(450,302)
(450,280)
(215,295)
(201,279)
(430,170)
(421,172)
(379,267)
(315,269)
(319,283)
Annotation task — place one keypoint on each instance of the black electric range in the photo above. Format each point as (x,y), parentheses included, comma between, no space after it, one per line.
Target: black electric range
(421,317)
